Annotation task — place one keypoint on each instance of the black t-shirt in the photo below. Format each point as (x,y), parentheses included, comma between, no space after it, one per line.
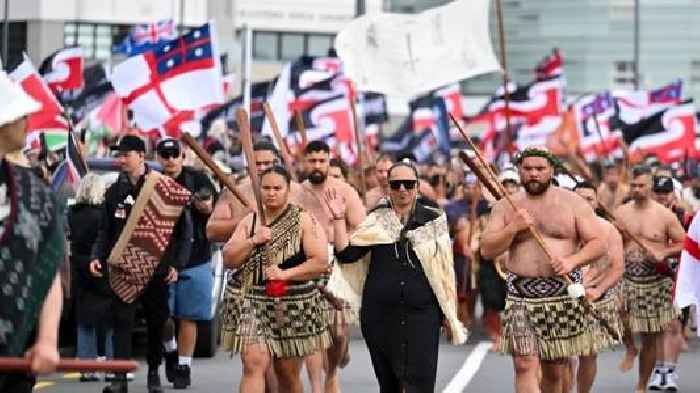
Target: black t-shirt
(195,181)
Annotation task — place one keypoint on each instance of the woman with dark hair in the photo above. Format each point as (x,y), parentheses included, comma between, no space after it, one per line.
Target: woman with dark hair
(279,318)
(399,264)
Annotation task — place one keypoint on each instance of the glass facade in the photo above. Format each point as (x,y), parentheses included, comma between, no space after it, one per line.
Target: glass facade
(286,46)
(17,43)
(596,38)
(96,39)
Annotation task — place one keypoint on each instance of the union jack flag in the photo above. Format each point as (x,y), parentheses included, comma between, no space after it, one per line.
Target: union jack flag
(145,37)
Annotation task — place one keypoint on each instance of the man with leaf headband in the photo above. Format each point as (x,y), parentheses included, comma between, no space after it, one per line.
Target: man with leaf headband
(544,322)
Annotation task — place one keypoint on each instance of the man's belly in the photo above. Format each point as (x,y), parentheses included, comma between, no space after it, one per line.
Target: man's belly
(527,259)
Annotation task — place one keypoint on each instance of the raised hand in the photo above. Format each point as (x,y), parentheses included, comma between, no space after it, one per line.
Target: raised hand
(335,203)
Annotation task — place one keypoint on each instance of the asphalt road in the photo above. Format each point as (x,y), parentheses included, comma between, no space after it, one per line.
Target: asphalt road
(468,368)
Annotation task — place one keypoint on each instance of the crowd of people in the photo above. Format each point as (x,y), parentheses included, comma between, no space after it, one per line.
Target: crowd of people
(565,265)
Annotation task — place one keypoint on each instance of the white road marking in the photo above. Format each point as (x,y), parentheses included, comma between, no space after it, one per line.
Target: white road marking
(469,369)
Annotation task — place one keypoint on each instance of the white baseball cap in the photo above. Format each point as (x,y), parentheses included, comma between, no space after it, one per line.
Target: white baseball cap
(14,102)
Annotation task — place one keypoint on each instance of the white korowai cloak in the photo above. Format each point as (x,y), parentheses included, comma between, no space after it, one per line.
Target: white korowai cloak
(431,243)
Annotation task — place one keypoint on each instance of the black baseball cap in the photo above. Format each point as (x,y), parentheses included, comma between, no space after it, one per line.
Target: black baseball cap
(662,184)
(168,144)
(129,143)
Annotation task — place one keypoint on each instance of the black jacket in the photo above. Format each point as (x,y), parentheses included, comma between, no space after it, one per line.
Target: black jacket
(196,181)
(178,251)
(92,294)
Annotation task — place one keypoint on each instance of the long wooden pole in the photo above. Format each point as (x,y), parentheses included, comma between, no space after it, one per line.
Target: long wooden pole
(209,162)
(358,149)
(247,143)
(299,118)
(504,65)
(475,168)
(71,365)
(535,233)
(284,151)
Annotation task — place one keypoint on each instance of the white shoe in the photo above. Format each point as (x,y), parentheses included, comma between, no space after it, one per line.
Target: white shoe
(672,382)
(110,376)
(657,380)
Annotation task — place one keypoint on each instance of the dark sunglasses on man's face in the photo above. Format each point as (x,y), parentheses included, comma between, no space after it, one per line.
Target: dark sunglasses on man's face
(168,154)
(407,184)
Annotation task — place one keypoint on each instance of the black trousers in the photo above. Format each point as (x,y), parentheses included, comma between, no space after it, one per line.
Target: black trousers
(156,310)
(17,383)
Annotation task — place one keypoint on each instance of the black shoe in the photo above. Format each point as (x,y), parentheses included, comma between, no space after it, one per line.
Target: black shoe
(182,377)
(170,365)
(153,383)
(118,385)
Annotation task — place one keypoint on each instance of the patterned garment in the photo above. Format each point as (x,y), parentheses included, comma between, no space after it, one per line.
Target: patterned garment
(31,249)
(648,296)
(145,237)
(294,325)
(608,308)
(540,319)
(290,326)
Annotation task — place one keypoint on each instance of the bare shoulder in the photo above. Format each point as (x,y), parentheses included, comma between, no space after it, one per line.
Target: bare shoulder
(344,188)
(569,197)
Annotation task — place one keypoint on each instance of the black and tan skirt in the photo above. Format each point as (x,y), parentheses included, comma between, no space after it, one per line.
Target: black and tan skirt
(540,319)
(294,325)
(608,309)
(648,296)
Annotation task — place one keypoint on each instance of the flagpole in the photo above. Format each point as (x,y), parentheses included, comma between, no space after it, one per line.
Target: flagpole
(504,65)
(6,32)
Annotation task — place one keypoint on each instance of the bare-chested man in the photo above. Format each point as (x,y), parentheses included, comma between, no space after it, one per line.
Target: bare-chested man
(601,281)
(317,183)
(647,293)
(543,325)
(612,191)
(382,166)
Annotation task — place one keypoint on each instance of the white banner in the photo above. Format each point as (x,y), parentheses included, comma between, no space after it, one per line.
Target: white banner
(409,54)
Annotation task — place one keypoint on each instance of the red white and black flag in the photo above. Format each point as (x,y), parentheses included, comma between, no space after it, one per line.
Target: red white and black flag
(668,134)
(63,69)
(550,66)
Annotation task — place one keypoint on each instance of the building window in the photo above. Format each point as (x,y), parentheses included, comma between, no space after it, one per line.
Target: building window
(285,46)
(17,43)
(96,39)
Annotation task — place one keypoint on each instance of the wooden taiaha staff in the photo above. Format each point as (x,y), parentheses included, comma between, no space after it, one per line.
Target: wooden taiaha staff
(247,144)
(504,65)
(18,364)
(284,150)
(535,233)
(358,148)
(474,168)
(209,162)
(299,118)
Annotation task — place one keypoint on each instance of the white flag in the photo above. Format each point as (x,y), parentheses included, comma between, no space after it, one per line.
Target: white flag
(409,54)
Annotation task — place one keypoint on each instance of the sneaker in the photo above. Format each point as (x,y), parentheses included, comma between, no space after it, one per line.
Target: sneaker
(89,377)
(171,359)
(118,385)
(182,377)
(153,382)
(110,376)
(672,381)
(658,382)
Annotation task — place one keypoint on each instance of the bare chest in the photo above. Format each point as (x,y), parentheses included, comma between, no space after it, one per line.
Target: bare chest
(553,220)
(647,226)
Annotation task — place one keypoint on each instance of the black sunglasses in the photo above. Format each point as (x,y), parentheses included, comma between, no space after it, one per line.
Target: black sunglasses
(167,154)
(407,184)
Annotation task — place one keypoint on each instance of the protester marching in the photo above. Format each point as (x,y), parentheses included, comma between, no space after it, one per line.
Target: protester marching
(555,228)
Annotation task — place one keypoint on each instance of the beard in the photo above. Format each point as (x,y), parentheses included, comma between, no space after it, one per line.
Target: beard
(317,177)
(534,187)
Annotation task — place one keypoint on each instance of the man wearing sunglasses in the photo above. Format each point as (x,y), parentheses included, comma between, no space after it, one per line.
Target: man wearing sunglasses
(190,297)
(132,243)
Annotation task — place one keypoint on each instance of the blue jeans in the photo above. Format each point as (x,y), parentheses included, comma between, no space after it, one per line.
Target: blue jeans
(87,342)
